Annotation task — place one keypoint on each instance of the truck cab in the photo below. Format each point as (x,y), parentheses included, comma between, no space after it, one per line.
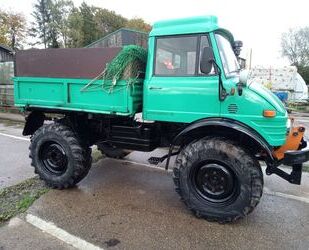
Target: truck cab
(193,98)
(175,88)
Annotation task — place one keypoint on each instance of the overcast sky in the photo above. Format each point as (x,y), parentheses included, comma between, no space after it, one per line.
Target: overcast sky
(258,23)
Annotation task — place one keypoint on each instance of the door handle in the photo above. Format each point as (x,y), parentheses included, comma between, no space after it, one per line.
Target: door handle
(155,88)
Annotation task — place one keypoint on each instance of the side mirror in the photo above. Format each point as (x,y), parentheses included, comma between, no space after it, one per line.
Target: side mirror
(243,80)
(206,60)
(237,46)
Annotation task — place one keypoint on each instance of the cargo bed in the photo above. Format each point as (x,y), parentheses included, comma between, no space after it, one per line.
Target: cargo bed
(123,98)
(62,79)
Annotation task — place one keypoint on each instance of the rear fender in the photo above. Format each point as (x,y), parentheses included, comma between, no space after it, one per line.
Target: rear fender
(33,121)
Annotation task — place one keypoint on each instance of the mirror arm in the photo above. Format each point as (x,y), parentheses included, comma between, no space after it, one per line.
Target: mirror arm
(222,91)
(239,88)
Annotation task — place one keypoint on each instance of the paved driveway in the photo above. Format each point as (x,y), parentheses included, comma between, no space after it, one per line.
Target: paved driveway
(125,205)
(14,160)
(131,206)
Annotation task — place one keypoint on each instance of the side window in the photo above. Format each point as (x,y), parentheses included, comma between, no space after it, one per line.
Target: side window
(176,56)
(204,43)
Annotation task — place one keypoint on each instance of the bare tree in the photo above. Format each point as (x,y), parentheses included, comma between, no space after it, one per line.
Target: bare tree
(295,46)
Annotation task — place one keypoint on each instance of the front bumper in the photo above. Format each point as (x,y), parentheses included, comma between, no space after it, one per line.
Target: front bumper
(294,153)
(296,157)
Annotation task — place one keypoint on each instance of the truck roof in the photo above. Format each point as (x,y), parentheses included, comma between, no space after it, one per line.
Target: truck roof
(189,25)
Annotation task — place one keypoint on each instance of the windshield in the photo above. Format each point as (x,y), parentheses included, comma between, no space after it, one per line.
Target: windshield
(228,58)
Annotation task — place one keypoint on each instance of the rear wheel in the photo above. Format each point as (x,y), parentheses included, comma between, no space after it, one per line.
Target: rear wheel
(58,156)
(218,180)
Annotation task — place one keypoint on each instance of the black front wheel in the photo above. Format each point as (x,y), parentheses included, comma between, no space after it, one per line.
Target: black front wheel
(58,156)
(214,181)
(218,180)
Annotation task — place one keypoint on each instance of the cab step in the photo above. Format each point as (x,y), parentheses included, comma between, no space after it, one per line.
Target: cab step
(156,160)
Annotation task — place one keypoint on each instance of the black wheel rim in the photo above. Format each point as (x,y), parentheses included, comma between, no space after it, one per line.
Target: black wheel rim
(53,157)
(215,182)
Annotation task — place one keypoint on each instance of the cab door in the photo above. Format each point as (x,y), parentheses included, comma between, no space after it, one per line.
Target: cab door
(175,90)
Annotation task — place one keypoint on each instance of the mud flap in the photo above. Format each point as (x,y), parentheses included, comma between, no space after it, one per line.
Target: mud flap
(33,121)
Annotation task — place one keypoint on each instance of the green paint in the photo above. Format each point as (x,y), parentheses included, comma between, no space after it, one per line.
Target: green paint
(70,94)
(187,99)
(182,99)
(191,25)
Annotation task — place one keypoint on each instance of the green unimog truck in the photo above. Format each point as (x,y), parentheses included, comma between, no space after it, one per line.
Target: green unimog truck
(186,92)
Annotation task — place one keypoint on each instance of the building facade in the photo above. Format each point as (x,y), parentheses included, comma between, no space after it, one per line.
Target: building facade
(6,74)
(120,38)
(6,54)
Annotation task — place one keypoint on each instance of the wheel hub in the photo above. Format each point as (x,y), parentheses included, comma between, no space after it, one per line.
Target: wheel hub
(54,158)
(214,182)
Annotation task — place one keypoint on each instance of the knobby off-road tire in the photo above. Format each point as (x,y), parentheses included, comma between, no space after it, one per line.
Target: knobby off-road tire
(58,156)
(218,180)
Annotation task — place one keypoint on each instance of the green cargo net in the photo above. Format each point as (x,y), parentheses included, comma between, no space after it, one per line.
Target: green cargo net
(129,65)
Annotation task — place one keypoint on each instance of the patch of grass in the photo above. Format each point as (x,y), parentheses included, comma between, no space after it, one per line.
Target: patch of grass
(17,199)
(299,107)
(25,202)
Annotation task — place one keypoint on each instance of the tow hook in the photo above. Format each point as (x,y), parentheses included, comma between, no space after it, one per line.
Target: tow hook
(294,177)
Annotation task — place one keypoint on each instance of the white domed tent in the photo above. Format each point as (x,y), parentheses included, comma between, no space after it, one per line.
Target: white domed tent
(284,79)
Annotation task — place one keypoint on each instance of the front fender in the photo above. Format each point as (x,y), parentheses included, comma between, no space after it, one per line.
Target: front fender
(222,123)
